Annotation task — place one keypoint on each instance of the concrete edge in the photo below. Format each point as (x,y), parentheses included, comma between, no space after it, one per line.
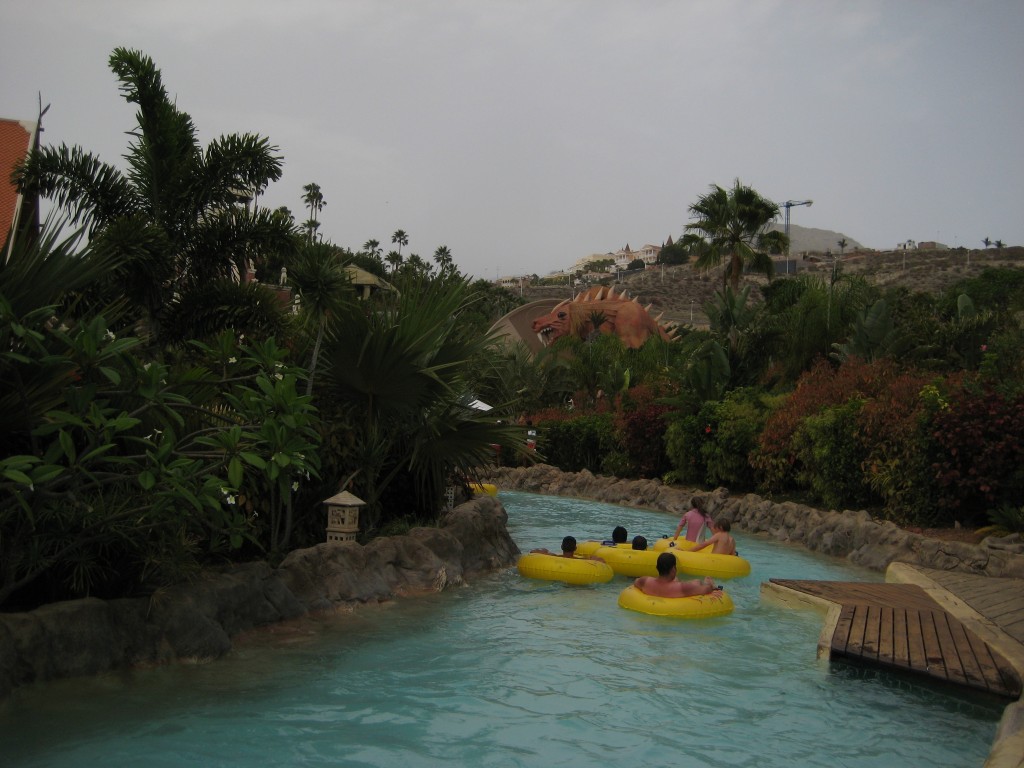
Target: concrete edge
(1008,748)
(792,598)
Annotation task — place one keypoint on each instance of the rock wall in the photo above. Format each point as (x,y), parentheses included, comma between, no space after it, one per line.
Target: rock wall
(196,621)
(854,535)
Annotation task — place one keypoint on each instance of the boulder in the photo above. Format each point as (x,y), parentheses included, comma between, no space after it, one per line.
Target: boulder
(196,620)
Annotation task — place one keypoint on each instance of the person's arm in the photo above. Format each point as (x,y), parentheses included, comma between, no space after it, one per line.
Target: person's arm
(639,582)
(540,551)
(705,587)
(709,543)
(679,528)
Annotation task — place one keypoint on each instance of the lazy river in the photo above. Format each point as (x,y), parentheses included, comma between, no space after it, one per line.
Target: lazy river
(515,672)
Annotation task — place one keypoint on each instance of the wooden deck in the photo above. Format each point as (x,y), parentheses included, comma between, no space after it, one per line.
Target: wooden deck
(901,627)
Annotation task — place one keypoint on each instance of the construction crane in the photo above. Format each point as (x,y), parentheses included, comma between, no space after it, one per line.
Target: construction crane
(792,204)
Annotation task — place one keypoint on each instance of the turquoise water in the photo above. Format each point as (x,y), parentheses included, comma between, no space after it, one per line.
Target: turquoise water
(514,672)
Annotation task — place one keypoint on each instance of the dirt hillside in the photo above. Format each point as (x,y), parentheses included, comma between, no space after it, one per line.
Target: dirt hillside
(681,293)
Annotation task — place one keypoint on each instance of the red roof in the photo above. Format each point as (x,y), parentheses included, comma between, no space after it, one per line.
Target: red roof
(16,138)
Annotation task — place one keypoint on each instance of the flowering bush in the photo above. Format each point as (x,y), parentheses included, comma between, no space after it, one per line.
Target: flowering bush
(775,458)
(640,429)
(977,459)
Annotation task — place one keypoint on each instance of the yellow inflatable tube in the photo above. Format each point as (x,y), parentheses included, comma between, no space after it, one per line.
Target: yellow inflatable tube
(704,563)
(627,561)
(681,543)
(480,489)
(571,570)
(716,603)
(589,548)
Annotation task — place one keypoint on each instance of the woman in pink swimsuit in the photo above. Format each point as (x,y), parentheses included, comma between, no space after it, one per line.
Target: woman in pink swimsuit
(694,521)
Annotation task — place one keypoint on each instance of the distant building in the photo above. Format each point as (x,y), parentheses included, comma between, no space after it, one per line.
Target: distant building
(931,245)
(907,245)
(514,282)
(648,254)
(583,264)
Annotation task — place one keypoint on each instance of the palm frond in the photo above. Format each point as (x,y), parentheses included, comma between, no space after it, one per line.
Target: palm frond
(88,190)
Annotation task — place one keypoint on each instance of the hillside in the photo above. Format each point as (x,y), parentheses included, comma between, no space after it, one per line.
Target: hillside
(680,293)
(812,240)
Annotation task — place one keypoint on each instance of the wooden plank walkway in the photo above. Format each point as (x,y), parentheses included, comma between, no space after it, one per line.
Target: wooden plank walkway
(900,627)
(1001,601)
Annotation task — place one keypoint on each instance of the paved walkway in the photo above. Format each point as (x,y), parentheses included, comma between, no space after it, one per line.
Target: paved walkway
(959,628)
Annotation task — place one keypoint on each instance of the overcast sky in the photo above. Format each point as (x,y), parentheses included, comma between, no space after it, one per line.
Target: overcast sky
(526,134)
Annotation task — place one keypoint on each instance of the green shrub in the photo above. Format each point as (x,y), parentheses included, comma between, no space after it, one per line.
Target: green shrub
(896,467)
(684,437)
(735,423)
(713,446)
(581,443)
(831,456)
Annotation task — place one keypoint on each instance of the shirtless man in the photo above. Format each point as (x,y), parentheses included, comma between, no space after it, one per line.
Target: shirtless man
(723,543)
(568,550)
(665,584)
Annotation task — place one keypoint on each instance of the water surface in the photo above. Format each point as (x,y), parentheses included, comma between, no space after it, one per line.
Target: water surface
(514,672)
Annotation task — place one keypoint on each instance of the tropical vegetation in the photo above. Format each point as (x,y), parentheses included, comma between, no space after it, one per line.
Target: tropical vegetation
(163,411)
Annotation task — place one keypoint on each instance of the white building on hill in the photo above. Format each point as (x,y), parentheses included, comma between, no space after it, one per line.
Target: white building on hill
(648,254)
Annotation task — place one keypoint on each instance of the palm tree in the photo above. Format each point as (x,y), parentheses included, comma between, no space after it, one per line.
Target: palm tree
(323,285)
(417,265)
(443,257)
(842,245)
(372,249)
(314,200)
(394,258)
(402,373)
(987,242)
(176,215)
(733,225)
(401,238)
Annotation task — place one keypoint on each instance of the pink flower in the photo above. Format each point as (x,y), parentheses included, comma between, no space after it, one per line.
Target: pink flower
(707,429)
(984,347)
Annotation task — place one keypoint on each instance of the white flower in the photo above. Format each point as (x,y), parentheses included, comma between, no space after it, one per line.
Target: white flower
(109,336)
(224,491)
(232,359)
(230,500)
(278,376)
(295,485)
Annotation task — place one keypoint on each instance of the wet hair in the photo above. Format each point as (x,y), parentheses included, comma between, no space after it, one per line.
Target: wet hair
(639,542)
(569,544)
(619,535)
(724,525)
(666,562)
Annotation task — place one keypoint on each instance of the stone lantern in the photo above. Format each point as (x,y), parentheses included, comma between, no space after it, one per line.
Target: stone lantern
(343,516)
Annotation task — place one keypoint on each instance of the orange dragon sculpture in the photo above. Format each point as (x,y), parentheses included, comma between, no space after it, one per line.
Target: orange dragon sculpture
(617,314)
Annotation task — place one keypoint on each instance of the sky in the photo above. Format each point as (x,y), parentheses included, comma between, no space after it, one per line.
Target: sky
(526,134)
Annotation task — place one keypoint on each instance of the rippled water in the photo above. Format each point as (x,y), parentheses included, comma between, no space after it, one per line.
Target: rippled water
(514,672)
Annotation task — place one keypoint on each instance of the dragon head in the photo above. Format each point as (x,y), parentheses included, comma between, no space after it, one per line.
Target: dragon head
(555,324)
(602,311)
